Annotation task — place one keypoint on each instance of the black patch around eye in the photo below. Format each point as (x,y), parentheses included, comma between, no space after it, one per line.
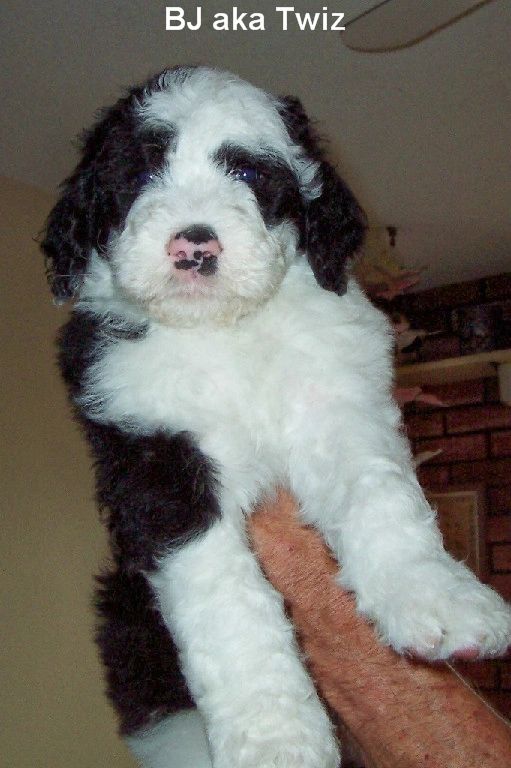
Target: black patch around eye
(154,143)
(130,159)
(147,159)
(273,184)
(244,165)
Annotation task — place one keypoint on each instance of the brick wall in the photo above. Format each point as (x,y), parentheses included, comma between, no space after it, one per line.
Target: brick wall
(474,433)
(433,311)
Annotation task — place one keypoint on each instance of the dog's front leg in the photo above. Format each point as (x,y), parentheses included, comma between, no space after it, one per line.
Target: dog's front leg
(239,656)
(354,477)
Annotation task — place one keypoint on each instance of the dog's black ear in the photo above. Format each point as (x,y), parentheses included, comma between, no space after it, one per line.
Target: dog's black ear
(91,199)
(335,222)
(298,124)
(67,241)
(336,226)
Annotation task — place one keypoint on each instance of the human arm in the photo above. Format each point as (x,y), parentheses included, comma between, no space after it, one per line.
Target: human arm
(402,714)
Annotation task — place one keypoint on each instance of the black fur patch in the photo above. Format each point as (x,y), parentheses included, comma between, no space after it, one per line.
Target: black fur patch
(144,681)
(83,339)
(119,156)
(335,222)
(276,188)
(336,228)
(156,492)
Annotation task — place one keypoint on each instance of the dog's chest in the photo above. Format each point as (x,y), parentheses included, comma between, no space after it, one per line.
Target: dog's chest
(305,353)
(197,380)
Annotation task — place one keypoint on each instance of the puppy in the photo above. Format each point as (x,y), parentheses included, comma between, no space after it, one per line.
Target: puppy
(216,349)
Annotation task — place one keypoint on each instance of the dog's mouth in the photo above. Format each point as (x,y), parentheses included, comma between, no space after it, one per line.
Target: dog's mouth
(198,280)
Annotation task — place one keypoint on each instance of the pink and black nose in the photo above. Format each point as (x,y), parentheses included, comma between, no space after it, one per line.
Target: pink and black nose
(196,248)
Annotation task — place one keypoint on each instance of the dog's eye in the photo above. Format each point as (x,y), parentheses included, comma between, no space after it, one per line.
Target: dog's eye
(246,174)
(143,178)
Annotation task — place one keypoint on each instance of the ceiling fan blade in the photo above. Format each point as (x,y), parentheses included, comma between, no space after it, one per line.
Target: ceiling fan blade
(396,24)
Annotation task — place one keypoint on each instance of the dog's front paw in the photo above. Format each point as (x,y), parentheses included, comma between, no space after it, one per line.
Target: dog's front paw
(297,735)
(439,610)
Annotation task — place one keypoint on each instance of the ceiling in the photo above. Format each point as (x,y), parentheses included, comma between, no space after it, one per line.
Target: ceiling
(422,134)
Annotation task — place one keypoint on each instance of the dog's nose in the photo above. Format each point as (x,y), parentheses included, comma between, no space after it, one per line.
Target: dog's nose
(198,234)
(195,248)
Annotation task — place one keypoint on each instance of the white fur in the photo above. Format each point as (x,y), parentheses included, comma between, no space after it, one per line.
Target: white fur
(239,656)
(282,382)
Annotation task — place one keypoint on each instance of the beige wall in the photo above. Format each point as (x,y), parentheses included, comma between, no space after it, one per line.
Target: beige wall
(51,543)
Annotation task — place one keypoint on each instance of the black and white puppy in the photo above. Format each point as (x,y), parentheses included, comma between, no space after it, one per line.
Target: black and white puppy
(216,349)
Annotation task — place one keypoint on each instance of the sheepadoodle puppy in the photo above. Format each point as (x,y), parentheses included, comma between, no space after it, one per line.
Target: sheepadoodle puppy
(218,348)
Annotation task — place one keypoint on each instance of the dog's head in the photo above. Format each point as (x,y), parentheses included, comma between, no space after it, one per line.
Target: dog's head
(193,195)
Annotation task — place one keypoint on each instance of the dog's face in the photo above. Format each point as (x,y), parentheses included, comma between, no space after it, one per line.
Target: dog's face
(193,195)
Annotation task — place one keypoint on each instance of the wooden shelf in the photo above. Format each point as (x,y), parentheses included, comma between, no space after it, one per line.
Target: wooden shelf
(464,368)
